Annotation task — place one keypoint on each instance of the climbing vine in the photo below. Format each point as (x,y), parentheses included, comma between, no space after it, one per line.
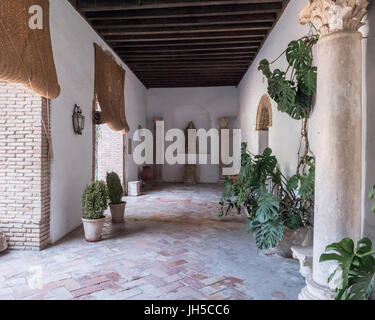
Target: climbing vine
(294,89)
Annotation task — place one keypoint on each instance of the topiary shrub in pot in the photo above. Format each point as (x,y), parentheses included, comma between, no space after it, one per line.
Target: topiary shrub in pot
(94,202)
(115,191)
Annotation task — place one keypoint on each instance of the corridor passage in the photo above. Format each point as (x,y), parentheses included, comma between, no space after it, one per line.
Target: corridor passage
(172,246)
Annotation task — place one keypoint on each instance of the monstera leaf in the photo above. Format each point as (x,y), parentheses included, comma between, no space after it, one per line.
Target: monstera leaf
(264,66)
(293,182)
(293,221)
(268,207)
(307,185)
(267,235)
(361,279)
(307,80)
(357,267)
(298,55)
(282,91)
(293,96)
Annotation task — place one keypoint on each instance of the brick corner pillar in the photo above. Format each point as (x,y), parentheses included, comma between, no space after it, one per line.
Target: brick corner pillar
(338,132)
(24,167)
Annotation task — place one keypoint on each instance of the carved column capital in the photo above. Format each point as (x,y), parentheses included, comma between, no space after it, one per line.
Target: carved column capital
(330,16)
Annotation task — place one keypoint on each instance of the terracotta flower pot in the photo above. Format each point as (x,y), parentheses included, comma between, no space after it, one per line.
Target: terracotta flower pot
(117,212)
(290,238)
(147,174)
(93,229)
(301,236)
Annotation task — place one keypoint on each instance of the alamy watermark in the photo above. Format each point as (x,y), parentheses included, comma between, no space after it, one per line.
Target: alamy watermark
(36,18)
(190,148)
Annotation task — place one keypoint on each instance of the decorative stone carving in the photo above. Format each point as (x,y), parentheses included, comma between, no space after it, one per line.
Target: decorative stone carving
(3,242)
(223,123)
(264,113)
(334,15)
(190,169)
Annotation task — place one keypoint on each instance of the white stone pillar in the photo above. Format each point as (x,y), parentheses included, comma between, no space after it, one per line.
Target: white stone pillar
(338,132)
(158,168)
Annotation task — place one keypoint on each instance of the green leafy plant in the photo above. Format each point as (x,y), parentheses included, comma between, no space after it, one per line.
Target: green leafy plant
(355,269)
(270,200)
(115,190)
(95,200)
(293,89)
(371,197)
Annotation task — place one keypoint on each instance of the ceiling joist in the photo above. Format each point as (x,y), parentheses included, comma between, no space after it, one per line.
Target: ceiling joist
(184,43)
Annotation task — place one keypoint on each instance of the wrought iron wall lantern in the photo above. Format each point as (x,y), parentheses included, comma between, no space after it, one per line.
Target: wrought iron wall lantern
(78,120)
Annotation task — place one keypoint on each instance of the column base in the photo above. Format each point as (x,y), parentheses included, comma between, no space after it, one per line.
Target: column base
(315,291)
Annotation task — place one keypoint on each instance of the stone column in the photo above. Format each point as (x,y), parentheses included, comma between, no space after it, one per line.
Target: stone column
(338,131)
(158,168)
(223,124)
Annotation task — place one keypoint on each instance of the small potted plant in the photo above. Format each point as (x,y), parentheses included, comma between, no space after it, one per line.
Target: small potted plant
(94,202)
(115,192)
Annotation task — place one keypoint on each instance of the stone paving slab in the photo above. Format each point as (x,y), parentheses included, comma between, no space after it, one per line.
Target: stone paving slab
(171,246)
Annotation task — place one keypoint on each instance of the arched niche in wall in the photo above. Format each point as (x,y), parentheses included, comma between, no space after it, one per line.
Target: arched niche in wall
(263,122)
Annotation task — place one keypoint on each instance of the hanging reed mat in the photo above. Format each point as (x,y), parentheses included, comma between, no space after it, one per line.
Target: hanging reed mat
(109,91)
(26,54)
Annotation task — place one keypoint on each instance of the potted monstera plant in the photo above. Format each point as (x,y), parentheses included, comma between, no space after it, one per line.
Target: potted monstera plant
(94,202)
(279,210)
(115,192)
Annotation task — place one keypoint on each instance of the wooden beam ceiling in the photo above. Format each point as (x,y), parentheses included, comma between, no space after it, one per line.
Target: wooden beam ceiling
(183,43)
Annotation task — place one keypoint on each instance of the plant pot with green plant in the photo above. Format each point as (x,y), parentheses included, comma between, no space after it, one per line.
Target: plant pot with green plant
(94,202)
(115,192)
(279,210)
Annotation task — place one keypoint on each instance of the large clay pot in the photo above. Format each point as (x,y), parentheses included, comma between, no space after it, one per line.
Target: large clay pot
(146,174)
(93,229)
(117,212)
(290,238)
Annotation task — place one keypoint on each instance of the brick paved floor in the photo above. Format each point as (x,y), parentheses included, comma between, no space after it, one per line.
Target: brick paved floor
(172,246)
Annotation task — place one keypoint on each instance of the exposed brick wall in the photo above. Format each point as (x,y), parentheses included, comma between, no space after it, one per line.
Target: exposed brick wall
(24,168)
(110,153)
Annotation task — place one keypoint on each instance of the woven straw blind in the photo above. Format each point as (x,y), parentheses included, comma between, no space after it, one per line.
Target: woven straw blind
(26,54)
(109,91)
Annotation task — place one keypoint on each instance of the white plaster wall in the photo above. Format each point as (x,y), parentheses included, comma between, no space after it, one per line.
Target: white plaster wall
(72,42)
(203,106)
(285,132)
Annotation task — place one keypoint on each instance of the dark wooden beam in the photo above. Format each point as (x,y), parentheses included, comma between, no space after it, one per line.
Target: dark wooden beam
(186,36)
(198,11)
(184,49)
(191,21)
(187,59)
(187,42)
(192,29)
(179,73)
(191,84)
(179,54)
(189,70)
(115,5)
(207,63)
